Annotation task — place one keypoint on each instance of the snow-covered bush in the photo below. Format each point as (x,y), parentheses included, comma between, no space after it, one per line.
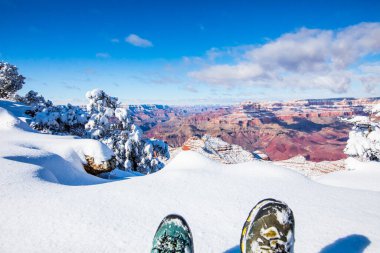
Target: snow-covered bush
(364,138)
(32,98)
(10,80)
(36,102)
(61,119)
(103,120)
(113,126)
(144,155)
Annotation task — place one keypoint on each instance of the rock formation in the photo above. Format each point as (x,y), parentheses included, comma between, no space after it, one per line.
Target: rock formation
(312,169)
(95,169)
(218,150)
(281,130)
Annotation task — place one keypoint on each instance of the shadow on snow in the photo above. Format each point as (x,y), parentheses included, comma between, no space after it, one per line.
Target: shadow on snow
(349,244)
(55,169)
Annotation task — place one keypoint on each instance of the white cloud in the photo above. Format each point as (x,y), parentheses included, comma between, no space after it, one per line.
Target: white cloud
(307,58)
(372,68)
(369,75)
(115,40)
(227,73)
(190,88)
(138,41)
(370,83)
(103,55)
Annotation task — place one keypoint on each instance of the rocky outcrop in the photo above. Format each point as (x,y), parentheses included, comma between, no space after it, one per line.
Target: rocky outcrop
(261,155)
(218,150)
(312,169)
(95,169)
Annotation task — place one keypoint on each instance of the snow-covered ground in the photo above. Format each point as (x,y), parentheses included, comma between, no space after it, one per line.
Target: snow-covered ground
(49,204)
(360,175)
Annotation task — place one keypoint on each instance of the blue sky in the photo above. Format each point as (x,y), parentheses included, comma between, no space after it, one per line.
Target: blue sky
(194,52)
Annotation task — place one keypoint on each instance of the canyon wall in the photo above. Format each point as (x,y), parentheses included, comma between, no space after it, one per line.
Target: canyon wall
(310,128)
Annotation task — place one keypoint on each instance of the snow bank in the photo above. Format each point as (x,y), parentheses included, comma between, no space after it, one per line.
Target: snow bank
(100,215)
(92,148)
(17,109)
(361,175)
(9,122)
(58,159)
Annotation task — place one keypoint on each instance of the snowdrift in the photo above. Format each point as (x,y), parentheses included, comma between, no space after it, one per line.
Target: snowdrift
(360,175)
(49,204)
(57,159)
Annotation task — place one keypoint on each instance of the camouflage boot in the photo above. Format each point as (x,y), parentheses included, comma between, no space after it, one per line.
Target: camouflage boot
(173,236)
(269,228)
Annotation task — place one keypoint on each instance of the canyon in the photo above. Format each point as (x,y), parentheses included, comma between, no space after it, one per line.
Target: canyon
(310,128)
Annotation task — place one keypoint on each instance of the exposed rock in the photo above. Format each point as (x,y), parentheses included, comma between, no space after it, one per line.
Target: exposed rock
(95,169)
(312,169)
(216,149)
(261,155)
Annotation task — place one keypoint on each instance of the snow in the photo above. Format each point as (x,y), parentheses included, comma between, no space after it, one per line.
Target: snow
(376,110)
(58,159)
(9,122)
(49,204)
(361,175)
(359,120)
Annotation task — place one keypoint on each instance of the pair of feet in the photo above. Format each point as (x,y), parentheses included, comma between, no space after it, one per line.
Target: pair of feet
(269,228)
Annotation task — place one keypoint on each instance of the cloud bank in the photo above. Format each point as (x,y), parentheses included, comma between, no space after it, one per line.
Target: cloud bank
(137,41)
(307,58)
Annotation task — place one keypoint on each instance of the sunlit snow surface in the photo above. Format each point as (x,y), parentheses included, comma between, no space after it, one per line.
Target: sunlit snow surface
(49,204)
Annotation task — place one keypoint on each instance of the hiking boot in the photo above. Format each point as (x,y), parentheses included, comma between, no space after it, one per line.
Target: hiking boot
(173,235)
(269,228)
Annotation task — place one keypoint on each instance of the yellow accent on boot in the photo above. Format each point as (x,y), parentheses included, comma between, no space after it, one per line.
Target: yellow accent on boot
(270,233)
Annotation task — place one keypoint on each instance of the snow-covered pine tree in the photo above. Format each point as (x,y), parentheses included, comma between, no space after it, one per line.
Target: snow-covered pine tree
(10,80)
(32,98)
(113,126)
(364,138)
(103,119)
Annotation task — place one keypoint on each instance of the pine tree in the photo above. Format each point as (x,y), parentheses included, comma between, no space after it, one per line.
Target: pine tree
(10,80)
(114,126)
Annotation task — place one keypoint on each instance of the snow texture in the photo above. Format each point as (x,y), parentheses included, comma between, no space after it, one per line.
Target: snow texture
(41,211)
(360,175)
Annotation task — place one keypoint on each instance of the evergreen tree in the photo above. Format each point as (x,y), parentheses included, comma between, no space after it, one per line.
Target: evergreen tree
(10,80)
